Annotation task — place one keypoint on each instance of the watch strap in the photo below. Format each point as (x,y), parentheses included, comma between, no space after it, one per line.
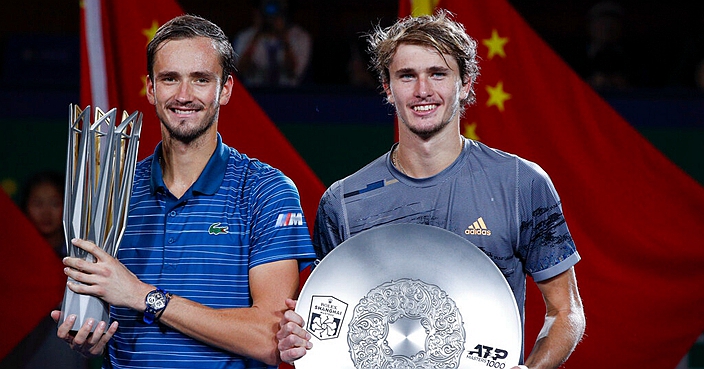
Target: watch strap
(152,313)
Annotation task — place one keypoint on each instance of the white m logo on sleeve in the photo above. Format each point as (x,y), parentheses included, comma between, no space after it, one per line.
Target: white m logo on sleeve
(289,219)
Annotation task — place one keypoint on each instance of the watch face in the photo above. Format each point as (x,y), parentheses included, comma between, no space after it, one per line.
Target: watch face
(156,300)
(159,304)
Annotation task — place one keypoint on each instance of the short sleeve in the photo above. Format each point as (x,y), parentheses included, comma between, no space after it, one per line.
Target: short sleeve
(546,244)
(279,229)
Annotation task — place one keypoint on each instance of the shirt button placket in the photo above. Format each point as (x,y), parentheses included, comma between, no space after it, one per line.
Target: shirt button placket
(170,255)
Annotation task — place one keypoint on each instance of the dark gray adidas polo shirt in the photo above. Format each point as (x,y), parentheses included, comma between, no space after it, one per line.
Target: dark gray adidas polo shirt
(505,205)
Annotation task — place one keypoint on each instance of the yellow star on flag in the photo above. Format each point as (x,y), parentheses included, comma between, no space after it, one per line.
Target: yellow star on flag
(9,185)
(470,131)
(495,44)
(497,96)
(151,31)
(423,7)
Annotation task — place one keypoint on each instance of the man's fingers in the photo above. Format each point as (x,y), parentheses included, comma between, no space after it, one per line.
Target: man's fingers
(82,336)
(290,316)
(292,335)
(64,330)
(79,284)
(293,347)
(112,330)
(100,337)
(291,304)
(79,265)
(291,329)
(56,315)
(94,338)
(90,247)
(289,356)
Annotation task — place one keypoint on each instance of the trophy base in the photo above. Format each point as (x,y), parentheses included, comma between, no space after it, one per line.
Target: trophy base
(84,307)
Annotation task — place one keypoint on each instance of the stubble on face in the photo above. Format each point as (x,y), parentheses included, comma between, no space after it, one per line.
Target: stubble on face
(181,131)
(426,131)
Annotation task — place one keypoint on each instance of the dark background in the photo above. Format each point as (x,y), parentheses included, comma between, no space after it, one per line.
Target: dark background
(658,34)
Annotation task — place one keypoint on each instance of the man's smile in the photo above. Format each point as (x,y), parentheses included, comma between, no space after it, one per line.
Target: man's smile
(424,108)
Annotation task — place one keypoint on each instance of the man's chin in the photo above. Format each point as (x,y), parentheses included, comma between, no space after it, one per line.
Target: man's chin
(189,136)
(186,130)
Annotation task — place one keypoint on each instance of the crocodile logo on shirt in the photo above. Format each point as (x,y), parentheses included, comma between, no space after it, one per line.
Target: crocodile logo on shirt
(216,229)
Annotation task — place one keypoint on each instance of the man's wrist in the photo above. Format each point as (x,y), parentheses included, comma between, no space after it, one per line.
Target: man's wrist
(155,302)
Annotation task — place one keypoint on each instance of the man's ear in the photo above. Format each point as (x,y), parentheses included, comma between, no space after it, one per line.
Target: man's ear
(389,93)
(150,91)
(465,89)
(226,91)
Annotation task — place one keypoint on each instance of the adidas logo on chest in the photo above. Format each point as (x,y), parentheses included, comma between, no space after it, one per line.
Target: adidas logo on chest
(478,228)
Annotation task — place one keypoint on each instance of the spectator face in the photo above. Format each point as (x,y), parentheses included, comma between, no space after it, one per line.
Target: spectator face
(45,209)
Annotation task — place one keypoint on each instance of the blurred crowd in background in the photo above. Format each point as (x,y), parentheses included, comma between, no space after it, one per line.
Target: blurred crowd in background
(614,45)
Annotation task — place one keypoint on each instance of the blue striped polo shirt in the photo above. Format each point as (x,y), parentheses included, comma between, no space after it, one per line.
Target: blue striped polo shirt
(240,213)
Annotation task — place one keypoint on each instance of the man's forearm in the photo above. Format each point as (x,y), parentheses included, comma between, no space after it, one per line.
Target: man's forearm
(245,331)
(557,339)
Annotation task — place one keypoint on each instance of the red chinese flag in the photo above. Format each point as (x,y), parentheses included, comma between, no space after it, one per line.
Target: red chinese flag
(113,74)
(32,277)
(637,218)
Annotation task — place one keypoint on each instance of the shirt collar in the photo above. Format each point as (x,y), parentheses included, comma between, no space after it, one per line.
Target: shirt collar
(209,180)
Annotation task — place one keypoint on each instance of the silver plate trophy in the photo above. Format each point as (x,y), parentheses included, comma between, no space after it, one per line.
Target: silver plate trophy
(409,296)
(100,166)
